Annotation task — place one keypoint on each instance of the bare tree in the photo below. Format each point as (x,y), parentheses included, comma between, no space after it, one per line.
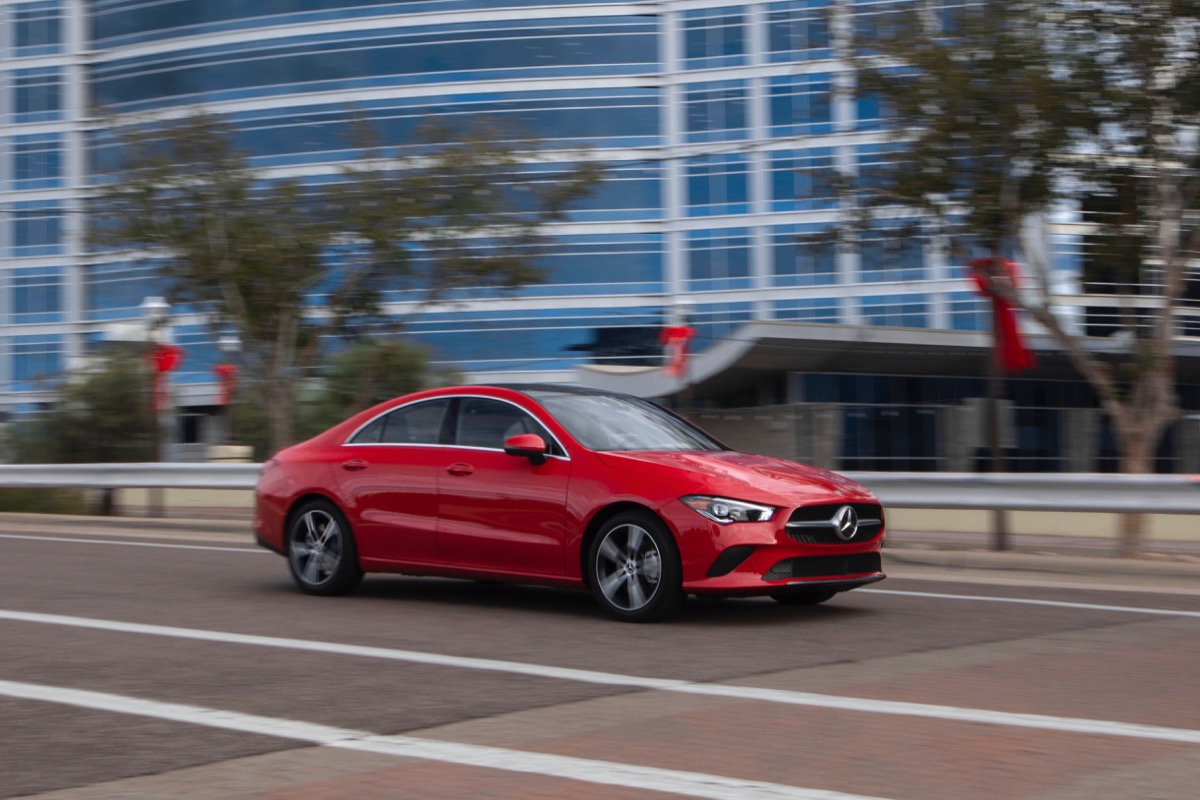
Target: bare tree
(285,263)
(1018,105)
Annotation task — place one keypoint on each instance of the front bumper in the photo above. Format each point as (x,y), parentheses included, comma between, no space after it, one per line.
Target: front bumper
(747,559)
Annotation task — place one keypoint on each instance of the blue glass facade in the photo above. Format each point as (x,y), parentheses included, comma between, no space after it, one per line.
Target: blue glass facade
(722,128)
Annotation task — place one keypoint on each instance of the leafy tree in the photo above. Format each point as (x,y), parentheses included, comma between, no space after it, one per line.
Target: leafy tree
(1020,104)
(252,251)
(101,415)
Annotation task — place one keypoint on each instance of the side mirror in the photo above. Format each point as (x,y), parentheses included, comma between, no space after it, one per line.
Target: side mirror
(526,445)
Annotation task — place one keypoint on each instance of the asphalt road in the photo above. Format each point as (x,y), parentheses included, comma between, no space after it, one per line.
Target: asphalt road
(183,664)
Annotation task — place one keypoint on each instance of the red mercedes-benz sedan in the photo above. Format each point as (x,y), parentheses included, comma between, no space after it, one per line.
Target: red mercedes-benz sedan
(566,487)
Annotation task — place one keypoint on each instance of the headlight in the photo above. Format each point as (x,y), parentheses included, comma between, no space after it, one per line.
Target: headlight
(724,511)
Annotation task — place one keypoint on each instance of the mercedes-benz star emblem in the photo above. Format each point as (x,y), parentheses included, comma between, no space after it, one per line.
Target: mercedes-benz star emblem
(845,523)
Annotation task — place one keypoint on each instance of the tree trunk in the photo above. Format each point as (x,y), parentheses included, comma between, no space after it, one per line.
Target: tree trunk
(1136,459)
(281,411)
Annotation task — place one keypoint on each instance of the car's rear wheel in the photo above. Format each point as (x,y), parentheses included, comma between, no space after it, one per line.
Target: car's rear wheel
(802,597)
(633,568)
(321,552)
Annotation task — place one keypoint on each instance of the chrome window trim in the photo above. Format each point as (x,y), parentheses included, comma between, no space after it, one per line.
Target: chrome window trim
(360,428)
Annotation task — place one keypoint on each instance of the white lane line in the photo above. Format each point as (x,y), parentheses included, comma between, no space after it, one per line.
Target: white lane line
(135,544)
(979,598)
(586,770)
(752,693)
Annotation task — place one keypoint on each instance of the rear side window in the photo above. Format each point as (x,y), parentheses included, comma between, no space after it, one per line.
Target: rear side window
(419,423)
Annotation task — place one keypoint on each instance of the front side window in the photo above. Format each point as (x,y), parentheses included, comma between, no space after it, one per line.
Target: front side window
(483,422)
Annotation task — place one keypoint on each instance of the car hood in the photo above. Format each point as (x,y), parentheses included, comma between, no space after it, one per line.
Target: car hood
(745,476)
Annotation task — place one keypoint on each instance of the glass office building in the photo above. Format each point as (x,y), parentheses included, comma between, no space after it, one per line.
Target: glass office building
(721,125)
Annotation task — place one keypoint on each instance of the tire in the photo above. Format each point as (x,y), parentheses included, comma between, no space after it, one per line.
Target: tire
(802,597)
(634,570)
(321,552)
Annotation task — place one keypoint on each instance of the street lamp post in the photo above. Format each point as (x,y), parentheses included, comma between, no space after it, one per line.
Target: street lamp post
(230,346)
(163,357)
(155,311)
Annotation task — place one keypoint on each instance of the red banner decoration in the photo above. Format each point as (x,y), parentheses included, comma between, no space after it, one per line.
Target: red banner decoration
(676,339)
(227,375)
(1011,352)
(163,358)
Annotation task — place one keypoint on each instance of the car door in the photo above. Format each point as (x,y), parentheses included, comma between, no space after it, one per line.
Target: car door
(389,471)
(500,512)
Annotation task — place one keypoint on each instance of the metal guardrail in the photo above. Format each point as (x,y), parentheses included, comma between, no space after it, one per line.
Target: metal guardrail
(1104,493)
(1156,494)
(165,475)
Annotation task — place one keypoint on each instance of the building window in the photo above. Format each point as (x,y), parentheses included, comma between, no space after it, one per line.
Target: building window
(341,61)
(714,37)
(717,185)
(892,251)
(799,30)
(37,95)
(876,166)
(37,295)
(952,13)
(800,104)
(716,111)
(718,322)
(37,28)
(808,309)
(718,260)
(968,312)
(37,161)
(37,229)
(36,358)
(882,19)
(114,291)
(896,310)
(803,180)
(872,111)
(803,255)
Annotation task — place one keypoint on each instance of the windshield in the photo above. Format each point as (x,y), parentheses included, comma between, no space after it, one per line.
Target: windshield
(606,422)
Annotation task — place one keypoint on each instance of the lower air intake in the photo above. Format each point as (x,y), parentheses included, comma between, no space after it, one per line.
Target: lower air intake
(824,566)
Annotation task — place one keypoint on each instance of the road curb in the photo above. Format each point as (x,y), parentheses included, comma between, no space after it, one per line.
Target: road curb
(1043,562)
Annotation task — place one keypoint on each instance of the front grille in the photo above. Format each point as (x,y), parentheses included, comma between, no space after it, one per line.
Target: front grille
(824,566)
(815,524)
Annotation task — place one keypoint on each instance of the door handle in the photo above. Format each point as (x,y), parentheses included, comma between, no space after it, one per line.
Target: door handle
(354,464)
(460,469)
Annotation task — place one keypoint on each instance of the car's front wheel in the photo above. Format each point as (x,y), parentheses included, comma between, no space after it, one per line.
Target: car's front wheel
(634,569)
(321,552)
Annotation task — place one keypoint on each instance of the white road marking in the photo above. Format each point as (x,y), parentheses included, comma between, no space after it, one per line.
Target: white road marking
(751,693)
(135,544)
(609,773)
(979,598)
